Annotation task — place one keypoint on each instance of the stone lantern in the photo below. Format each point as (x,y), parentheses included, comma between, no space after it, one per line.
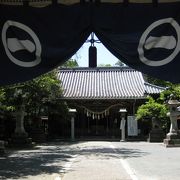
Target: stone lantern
(173,137)
(20,136)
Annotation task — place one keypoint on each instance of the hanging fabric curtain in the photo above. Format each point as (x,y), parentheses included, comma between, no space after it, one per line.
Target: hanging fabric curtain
(143,34)
(37,36)
(36,40)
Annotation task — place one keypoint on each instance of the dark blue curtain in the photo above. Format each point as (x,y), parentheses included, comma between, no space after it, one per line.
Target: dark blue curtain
(36,40)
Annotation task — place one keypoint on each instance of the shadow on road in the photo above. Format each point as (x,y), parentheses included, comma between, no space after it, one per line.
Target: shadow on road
(50,158)
(108,152)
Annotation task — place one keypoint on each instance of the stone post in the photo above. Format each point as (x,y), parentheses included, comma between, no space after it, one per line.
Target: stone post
(122,127)
(122,124)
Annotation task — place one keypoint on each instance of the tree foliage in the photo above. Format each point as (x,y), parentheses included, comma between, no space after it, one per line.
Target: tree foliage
(173,89)
(152,109)
(120,64)
(158,107)
(4,106)
(104,65)
(158,82)
(71,63)
(38,95)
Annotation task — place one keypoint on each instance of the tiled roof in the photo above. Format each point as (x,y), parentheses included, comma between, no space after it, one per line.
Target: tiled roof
(153,89)
(105,83)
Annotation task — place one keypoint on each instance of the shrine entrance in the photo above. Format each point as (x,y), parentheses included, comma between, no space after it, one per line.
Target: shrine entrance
(98,94)
(101,121)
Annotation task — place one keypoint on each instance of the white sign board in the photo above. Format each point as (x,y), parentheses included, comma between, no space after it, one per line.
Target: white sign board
(132,126)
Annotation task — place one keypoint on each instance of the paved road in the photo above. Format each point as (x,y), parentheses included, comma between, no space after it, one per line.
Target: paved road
(151,161)
(97,161)
(93,160)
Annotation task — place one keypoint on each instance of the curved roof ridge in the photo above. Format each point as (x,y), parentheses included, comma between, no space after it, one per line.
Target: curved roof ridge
(156,86)
(153,89)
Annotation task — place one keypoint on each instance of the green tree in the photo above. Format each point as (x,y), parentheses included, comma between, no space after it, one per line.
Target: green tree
(158,82)
(104,65)
(2,98)
(173,89)
(37,95)
(153,109)
(120,64)
(71,63)
(5,107)
(40,96)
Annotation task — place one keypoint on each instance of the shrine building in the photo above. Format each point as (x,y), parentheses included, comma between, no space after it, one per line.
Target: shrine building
(99,93)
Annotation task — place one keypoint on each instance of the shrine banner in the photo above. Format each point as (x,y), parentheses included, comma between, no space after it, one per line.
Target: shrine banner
(36,40)
(143,36)
(37,36)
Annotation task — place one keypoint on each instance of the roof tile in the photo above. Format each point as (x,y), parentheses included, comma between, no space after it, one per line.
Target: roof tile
(105,83)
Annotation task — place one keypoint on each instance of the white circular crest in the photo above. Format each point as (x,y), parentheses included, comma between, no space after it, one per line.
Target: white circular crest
(21,44)
(144,36)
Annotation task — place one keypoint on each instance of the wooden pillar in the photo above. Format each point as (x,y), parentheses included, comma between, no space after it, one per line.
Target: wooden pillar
(96,126)
(2,147)
(88,125)
(72,129)
(107,125)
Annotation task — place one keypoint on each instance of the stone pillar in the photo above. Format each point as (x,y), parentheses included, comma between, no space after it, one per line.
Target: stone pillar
(72,113)
(122,124)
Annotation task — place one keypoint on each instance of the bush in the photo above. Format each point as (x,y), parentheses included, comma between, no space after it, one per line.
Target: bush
(153,109)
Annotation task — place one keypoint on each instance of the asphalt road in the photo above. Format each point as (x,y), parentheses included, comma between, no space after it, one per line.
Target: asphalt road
(92,160)
(151,161)
(97,161)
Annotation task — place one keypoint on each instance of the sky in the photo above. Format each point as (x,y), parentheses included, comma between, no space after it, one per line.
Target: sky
(103,55)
